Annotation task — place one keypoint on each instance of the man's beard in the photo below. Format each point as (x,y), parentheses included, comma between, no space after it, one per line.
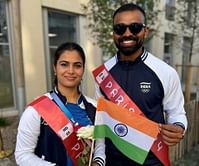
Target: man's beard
(127,51)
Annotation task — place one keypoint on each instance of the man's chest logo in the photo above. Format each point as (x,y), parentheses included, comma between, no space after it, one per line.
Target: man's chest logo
(145,87)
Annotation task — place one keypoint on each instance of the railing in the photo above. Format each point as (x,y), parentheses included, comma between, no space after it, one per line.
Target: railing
(192,134)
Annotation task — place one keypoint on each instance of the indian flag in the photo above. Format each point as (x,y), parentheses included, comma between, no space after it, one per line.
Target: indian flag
(131,133)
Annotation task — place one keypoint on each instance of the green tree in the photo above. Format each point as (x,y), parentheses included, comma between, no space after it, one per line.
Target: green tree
(99,14)
(3,153)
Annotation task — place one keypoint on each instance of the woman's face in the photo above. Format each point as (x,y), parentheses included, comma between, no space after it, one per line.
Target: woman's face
(69,69)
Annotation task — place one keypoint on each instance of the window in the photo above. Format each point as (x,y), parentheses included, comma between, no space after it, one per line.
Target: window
(170,10)
(6,85)
(168,48)
(59,27)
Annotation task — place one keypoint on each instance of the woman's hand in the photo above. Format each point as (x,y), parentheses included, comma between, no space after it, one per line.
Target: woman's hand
(85,132)
(171,133)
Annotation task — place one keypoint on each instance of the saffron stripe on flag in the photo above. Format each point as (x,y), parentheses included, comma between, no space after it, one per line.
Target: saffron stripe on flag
(132,134)
(131,119)
(128,149)
(136,137)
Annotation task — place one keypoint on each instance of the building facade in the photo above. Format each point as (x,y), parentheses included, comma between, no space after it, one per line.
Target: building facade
(30,31)
(172,44)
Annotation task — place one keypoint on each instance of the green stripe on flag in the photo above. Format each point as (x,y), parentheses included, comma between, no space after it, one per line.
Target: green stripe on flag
(128,149)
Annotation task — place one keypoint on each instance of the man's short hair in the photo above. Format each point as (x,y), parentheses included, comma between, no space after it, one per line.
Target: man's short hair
(129,7)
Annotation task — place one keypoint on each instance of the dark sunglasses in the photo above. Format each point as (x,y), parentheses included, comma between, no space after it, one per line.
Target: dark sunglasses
(134,28)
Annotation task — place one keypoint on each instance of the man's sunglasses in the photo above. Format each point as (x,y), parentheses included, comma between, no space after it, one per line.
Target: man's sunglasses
(134,28)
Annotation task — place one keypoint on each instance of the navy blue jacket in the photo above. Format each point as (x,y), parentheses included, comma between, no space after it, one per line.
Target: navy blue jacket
(50,145)
(155,88)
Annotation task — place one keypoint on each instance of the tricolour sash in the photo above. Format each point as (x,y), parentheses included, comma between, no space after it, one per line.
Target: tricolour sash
(61,125)
(116,94)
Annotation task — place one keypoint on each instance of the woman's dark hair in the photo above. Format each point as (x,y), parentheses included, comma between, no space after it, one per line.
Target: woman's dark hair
(129,7)
(68,46)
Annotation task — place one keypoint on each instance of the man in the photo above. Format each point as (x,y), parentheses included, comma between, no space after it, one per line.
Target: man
(150,83)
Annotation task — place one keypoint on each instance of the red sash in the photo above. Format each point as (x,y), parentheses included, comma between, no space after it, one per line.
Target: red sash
(60,124)
(116,94)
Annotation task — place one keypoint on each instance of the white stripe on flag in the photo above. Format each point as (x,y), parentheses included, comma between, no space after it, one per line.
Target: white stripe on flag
(133,136)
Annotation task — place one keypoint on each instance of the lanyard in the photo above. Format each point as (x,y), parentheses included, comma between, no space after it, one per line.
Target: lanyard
(63,108)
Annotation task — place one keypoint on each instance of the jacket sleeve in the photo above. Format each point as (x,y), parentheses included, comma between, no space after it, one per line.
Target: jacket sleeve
(174,102)
(99,148)
(99,152)
(27,137)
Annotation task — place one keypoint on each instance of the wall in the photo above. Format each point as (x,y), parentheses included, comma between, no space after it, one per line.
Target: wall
(33,45)
(33,48)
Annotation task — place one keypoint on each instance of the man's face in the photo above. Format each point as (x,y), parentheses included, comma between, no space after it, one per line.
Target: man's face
(129,31)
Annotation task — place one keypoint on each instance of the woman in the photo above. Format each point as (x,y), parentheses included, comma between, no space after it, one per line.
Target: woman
(47,129)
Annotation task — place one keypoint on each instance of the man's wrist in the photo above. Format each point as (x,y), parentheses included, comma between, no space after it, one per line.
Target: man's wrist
(180,125)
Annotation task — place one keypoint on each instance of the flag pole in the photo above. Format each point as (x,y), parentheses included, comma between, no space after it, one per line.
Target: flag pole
(91,152)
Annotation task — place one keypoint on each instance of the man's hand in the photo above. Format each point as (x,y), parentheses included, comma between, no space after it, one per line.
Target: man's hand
(171,133)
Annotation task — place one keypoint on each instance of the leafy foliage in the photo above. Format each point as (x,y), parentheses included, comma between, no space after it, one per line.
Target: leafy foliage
(99,13)
(4,122)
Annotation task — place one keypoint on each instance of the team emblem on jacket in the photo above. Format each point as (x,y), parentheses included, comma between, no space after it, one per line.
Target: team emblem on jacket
(121,129)
(145,87)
